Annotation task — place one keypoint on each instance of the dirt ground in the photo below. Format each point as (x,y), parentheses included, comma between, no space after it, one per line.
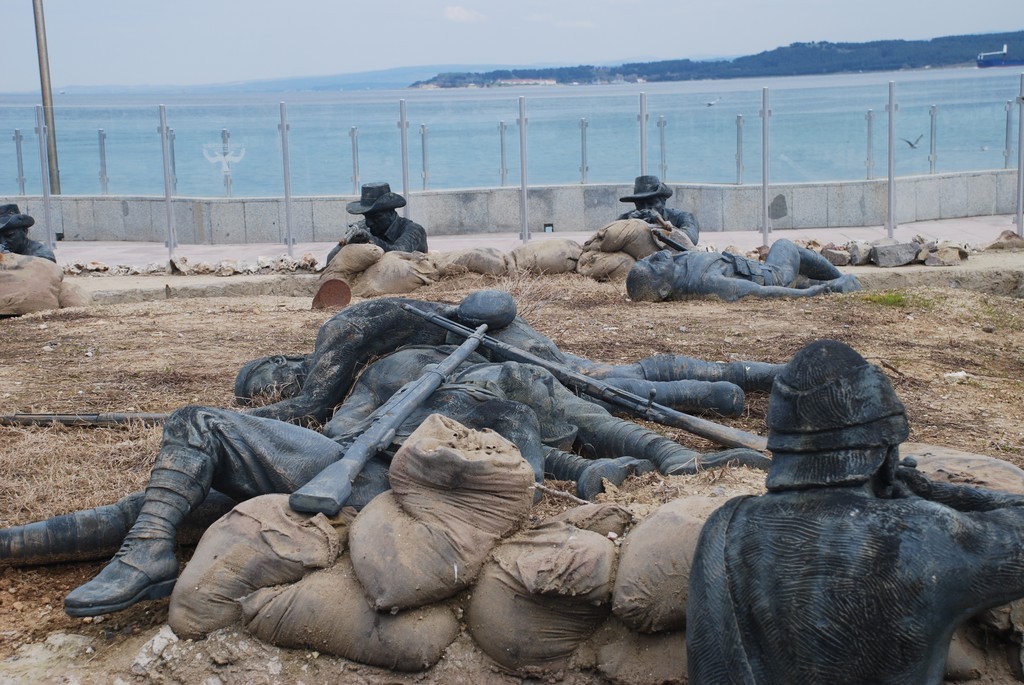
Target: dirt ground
(954,356)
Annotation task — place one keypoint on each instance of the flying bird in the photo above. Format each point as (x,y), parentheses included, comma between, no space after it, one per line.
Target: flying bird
(712,103)
(913,146)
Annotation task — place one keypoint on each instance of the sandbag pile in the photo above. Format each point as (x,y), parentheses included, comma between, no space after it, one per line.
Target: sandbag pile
(33,284)
(613,250)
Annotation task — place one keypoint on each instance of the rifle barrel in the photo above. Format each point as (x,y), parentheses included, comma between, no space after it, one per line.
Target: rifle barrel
(641,406)
(87,420)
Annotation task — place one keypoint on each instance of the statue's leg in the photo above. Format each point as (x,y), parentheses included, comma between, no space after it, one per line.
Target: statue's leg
(590,474)
(241,455)
(688,395)
(747,375)
(95,533)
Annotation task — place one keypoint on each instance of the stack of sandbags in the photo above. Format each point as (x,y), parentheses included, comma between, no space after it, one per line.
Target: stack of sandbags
(33,284)
(613,250)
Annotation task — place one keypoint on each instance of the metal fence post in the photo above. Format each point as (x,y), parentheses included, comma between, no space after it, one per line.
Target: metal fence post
(42,133)
(165,144)
(1020,159)
(524,204)
(890,213)
(353,133)
(932,113)
(663,167)
(225,139)
(870,161)
(1008,144)
(766,114)
(503,168)
(403,127)
(642,118)
(284,128)
(583,151)
(739,149)
(174,161)
(104,179)
(426,169)
(21,161)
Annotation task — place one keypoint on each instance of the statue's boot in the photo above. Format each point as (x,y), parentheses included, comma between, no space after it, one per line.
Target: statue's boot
(590,474)
(95,533)
(747,375)
(671,458)
(813,265)
(688,396)
(145,567)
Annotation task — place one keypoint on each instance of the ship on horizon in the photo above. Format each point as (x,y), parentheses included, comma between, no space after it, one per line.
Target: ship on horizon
(999,59)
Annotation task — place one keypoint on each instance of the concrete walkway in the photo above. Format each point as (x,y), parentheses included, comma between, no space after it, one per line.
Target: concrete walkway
(976,231)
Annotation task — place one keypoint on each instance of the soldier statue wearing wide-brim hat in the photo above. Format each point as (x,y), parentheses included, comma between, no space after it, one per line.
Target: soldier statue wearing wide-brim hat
(14,234)
(649,195)
(381,224)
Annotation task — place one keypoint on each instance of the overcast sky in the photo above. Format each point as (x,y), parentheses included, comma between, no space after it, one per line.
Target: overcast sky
(181,42)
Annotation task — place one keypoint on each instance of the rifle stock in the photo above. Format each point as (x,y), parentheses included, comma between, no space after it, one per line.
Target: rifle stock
(327,492)
(641,406)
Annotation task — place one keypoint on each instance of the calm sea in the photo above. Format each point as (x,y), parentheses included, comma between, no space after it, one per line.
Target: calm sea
(819,131)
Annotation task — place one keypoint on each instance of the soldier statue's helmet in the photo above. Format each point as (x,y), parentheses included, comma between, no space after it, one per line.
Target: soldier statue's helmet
(646,187)
(832,419)
(376,197)
(11,217)
(496,308)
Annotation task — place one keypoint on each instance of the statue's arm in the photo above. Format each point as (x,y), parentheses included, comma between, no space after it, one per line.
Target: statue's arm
(734,288)
(960,497)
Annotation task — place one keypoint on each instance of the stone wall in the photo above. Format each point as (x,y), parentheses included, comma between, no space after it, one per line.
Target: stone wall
(234,220)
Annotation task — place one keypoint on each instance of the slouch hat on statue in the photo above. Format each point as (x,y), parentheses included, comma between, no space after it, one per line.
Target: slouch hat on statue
(376,197)
(832,418)
(645,187)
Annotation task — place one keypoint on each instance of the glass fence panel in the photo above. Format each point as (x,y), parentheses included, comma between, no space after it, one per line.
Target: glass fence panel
(19,122)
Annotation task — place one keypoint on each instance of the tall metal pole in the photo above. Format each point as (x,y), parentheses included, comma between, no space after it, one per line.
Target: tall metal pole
(642,118)
(286,161)
(524,204)
(1020,159)
(766,114)
(44,84)
(403,126)
(890,215)
(165,146)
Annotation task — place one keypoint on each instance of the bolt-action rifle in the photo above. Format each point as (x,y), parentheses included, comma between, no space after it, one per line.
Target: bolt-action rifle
(95,420)
(327,492)
(644,407)
(664,233)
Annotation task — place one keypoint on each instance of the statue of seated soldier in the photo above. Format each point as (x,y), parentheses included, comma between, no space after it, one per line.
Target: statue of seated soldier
(381,224)
(853,567)
(788,271)
(261,450)
(649,196)
(14,234)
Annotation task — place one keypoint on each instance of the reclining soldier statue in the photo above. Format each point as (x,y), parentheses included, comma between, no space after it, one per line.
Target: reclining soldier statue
(263,450)
(854,567)
(788,271)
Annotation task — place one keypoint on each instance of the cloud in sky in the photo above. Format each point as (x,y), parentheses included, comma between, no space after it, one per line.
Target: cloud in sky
(462,15)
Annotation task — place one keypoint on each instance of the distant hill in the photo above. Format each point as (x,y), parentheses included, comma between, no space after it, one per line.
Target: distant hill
(792,60)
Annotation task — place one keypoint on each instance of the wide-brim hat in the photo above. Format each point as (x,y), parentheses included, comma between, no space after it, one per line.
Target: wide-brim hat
(11,217)
(832,419)
(646,187)
(375,197)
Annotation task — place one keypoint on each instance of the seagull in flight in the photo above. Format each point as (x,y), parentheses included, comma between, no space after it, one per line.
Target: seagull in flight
(913,145)
(712,103)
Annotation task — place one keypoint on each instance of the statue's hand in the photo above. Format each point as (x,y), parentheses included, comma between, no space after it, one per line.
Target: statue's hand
(354,233)
(914,481)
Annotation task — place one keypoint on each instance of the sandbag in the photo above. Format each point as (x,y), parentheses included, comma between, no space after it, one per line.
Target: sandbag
(259,543)
(545,591)
(489,261)
(652,584)
(394,274)
(631,236)
(553,256)
(454,493)
(604,266)
(628,658)
(28,284)
(327,611)
(72,296)
(601,518)
(350,261)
